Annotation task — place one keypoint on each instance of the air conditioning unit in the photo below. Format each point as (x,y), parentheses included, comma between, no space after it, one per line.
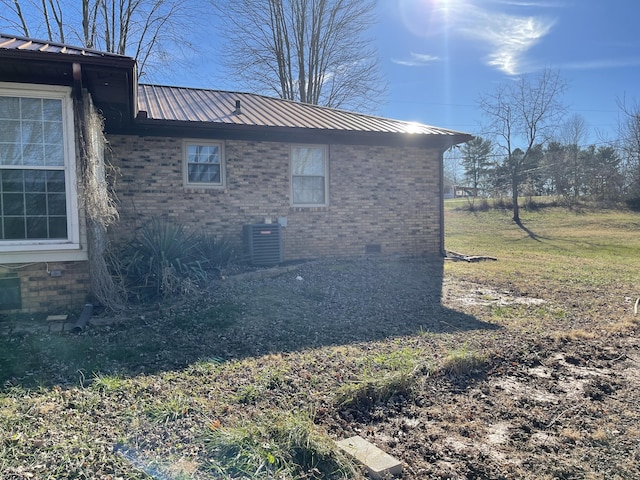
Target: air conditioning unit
(263,243)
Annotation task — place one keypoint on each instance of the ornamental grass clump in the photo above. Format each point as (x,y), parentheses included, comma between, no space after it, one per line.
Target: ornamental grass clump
(165,259)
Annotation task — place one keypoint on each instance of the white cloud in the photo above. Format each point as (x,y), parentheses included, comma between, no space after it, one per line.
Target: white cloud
(508,37)
(416,60)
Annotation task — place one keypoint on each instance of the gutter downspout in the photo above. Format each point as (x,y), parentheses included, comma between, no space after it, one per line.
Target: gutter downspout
(443,253)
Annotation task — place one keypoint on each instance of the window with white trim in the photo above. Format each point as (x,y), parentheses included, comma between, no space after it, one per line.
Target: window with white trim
(38,201)
(309,168)
(203,163)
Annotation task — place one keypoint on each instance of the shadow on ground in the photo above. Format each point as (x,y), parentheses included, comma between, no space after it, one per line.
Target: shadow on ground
(317,305)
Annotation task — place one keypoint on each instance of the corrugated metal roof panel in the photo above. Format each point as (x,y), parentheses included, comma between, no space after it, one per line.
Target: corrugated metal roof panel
(215,106)
(13,42)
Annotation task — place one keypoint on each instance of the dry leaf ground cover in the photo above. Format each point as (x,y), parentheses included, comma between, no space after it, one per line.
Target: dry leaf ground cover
(525,368)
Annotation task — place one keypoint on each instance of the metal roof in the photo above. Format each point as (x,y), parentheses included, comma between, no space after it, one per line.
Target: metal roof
(179,104)
(110,76)
(13,42)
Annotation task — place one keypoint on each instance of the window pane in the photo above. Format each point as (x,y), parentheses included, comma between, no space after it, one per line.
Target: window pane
(57,204)
(12,180)
(33,154)
(10,131)
(308,190)
(37,228)
(9,107)
(10,154)
(35,181)
(308,161)
(203,154)
(14,228)
(52,110)
(199,173)
(53,132)
(57,227)
(54,155)
(32,132)
(31,109)
(55,181)
(13,203)
(33,204)
(308,167)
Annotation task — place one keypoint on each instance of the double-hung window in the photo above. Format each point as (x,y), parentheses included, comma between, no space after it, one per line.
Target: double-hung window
(203,164)
(309,173)
(38,204)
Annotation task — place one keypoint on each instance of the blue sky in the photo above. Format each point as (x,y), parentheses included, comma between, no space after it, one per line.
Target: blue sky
(439,56)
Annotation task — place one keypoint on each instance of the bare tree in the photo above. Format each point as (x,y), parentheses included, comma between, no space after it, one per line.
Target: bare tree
(629,144)
(523,115)
(147,30)
(574,132)
(313,51)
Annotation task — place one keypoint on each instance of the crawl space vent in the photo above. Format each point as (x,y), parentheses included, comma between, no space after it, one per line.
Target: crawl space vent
(263,243)
(10,297)
(373,248)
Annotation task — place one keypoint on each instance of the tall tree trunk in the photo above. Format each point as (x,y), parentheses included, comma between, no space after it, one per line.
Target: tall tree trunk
(514,199)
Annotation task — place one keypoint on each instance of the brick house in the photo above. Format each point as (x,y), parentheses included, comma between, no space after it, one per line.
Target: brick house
(330,182)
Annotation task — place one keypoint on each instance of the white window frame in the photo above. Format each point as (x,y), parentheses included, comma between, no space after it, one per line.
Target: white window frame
(325,159)
(69,249)
(185,163)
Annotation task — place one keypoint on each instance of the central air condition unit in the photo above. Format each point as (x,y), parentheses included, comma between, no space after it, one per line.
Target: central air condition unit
(263,243)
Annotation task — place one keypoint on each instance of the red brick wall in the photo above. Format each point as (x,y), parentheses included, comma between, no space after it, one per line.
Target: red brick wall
(377,196)
(66,290)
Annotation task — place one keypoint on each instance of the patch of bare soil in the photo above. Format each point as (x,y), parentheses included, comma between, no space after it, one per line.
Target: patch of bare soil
(556,397)
(560,403)
(566,409)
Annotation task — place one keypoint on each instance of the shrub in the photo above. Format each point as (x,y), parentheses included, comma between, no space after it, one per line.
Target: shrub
(165,259)
(633,203)
(217,253)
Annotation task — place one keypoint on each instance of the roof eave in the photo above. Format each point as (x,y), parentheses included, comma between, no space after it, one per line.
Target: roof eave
(106,60)
(150,127)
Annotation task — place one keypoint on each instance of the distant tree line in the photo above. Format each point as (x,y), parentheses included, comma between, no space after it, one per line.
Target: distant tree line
(570,171)
(529,150)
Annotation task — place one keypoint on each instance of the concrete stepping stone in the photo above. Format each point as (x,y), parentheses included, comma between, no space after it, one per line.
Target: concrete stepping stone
(378,463)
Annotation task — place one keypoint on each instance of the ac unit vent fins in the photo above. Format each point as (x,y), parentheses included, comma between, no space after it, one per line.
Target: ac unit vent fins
(263,243)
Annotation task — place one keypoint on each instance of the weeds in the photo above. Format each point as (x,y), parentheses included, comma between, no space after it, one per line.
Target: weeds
(107,383)
(375,390)
(283,445)
(463,361)
(169,409)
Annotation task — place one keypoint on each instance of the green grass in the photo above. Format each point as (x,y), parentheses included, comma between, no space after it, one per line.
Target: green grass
(463,361)
(284,445)
(176,392)
(588,248)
